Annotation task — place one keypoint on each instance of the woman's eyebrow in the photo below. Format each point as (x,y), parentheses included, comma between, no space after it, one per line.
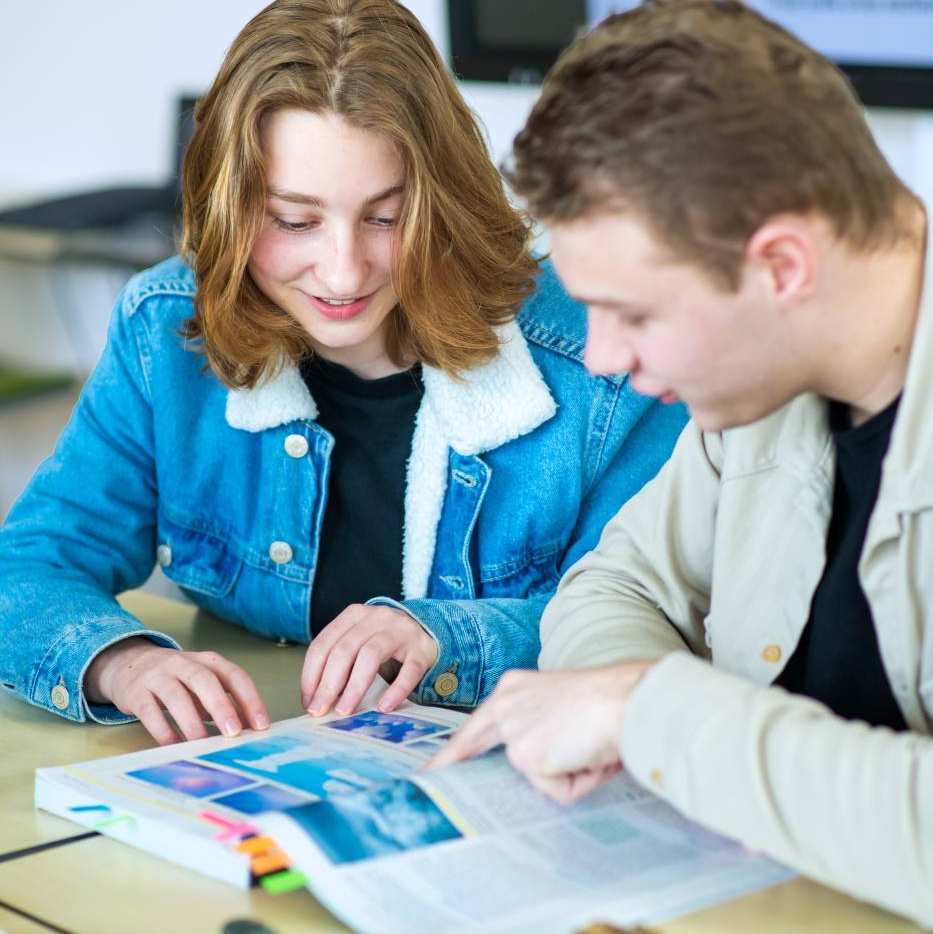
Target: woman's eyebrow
(299,198)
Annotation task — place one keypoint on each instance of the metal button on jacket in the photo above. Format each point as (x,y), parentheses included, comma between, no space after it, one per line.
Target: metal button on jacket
(296,445)
(60,697)
(281,552)
(164,555)
(771,653)
(446,684)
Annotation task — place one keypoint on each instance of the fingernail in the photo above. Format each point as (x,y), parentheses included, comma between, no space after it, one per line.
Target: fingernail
(231,727)
(261,721)
(343,711)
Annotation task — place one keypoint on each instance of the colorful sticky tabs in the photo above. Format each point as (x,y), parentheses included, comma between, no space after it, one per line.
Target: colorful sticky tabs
(281,882)
(269,863)
(119,819)
(81,808)
(229,828)
(256,846)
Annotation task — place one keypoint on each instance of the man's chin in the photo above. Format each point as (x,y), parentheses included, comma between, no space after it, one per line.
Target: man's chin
(721,420)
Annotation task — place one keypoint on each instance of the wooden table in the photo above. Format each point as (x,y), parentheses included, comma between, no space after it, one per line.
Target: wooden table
(95,885)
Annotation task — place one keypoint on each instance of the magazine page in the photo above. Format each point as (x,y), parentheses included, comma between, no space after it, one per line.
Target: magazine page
(180,801)
(475,848)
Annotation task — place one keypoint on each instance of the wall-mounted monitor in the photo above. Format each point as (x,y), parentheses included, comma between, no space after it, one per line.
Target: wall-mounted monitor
(884,46)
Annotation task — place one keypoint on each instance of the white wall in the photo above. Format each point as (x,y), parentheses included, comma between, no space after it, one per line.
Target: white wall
(89,88)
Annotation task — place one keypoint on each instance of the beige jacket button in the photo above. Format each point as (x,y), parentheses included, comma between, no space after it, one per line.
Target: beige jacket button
(296,445)
(164,555)
(771,653)
(446,684)
(281,552)
(60,697)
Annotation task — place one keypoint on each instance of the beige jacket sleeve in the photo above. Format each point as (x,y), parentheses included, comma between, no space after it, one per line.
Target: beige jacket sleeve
(842,802)
(846,804)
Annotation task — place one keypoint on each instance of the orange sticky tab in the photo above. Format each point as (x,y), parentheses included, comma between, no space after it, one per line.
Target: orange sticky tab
(256,846)
(271,862)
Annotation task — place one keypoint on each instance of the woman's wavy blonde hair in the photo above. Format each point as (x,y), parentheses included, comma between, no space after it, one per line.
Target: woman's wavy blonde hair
(464,264)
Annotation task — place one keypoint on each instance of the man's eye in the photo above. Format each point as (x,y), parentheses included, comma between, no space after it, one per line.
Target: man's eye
(290,227)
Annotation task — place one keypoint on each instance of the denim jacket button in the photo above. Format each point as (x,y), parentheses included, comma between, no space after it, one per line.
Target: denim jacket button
(60,698)
(281,552)
(296,445)
(446,684)
(164,555)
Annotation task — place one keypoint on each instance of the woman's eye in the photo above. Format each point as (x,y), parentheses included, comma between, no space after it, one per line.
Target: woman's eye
(382,221)
(292,227)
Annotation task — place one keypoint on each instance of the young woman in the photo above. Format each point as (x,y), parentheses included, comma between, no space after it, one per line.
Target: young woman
(354,415)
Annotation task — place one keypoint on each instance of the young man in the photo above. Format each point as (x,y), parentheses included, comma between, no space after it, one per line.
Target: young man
(753,636)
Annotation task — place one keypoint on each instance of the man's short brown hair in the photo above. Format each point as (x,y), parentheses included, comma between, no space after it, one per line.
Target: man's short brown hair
(706,119)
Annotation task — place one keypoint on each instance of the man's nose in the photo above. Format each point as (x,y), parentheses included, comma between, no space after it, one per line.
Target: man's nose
(607,353)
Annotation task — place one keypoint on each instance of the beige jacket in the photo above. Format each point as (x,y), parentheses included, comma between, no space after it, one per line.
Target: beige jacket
(720,555)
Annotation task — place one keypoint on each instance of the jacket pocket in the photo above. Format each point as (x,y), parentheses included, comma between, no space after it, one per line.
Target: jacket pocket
(528,575)
(196,560)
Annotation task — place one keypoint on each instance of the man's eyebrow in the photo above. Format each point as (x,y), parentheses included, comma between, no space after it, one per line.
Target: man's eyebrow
(297,197)
(621,304)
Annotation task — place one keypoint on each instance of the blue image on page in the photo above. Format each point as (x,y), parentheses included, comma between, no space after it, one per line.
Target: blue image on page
(389,727)
(190,778)
(317,766)
(261,798)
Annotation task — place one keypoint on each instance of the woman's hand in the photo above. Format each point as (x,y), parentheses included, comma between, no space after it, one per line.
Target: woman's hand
(147,681)
(363,641)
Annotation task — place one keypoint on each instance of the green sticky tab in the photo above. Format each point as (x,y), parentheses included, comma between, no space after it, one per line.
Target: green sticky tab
(288,880)
(121,819)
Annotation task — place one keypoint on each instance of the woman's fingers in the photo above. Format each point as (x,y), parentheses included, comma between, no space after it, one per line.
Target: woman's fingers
(240,686)
(150,715)
(411,672)
(204,683)
(319,651)
(369,659)
(179,703)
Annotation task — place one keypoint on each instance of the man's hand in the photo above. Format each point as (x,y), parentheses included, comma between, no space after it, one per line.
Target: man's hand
(363,641)
(146,680)
(561,729)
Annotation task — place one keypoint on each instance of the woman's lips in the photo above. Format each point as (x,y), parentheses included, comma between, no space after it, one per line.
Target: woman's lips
(340,312)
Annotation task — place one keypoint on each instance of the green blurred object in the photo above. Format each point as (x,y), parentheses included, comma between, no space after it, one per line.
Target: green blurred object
(18,384)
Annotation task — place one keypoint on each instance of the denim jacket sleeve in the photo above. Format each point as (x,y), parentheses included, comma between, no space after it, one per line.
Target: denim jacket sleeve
(83,530)
(479,640)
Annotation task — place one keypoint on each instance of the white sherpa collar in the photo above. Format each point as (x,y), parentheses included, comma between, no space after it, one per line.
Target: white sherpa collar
(487,407)
(490,405)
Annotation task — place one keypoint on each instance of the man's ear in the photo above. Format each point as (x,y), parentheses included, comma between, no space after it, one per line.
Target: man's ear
(785,251)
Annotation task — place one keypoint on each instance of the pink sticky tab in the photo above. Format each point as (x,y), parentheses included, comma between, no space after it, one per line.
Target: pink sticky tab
(228,828)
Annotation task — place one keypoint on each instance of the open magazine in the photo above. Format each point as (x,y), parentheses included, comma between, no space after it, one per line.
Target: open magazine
(387,847)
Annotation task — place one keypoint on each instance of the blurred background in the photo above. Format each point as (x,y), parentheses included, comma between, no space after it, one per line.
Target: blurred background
(93,109)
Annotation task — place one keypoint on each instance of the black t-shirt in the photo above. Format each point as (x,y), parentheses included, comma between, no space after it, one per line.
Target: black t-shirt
(372,422)
(837,660)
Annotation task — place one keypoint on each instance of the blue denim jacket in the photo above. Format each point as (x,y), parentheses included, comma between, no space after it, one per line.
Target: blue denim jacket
(514,471)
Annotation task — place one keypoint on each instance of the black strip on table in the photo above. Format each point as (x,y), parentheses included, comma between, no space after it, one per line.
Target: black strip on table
(29,850)
(33,918)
